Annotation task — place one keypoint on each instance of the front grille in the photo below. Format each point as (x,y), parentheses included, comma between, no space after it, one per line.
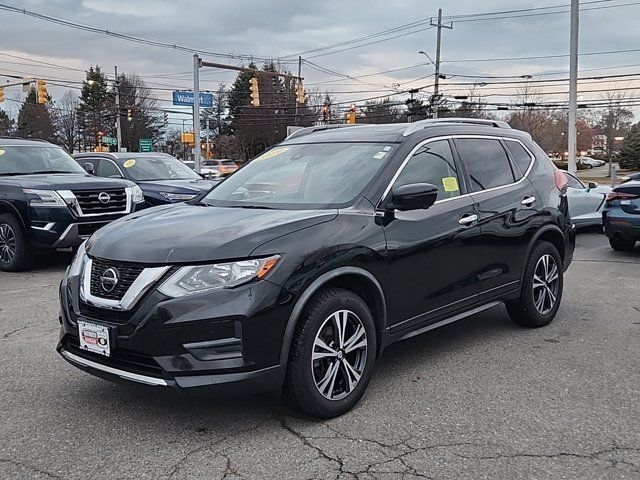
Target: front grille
(126,272)
(102,201)
(88,229)
(120,358)
(114,316)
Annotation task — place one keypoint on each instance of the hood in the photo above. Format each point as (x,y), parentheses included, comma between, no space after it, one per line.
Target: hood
(195,185)
(66,181)
(184,233)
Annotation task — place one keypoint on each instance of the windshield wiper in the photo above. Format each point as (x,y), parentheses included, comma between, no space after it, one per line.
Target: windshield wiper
(38,172)
(258,207)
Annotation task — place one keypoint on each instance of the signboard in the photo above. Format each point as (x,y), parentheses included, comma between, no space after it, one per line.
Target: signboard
(146,145)
(109,140)
(186,99)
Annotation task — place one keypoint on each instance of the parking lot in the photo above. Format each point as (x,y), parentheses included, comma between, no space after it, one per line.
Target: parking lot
(481,398)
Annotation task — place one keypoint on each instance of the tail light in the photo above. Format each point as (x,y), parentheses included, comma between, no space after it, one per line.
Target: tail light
(561,180)
(621,196)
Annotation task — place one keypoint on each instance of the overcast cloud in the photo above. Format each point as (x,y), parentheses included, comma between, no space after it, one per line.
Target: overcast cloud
(281,28)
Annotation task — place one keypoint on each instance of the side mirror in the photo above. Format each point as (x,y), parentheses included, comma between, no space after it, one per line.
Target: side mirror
(89,168)
(414,196)
(592,185)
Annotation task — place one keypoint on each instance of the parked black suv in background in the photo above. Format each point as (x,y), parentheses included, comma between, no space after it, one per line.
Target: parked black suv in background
(162,178)
(47,201)
(373,234)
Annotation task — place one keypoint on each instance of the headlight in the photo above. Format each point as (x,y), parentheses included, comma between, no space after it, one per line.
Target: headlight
(45,198)
(201,278)
(78,261)
(136,194)
(177,197)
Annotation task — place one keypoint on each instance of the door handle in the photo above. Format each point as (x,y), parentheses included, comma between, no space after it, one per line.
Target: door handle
(528,201)
(468,219)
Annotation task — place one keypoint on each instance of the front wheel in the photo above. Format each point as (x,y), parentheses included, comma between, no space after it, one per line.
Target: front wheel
(14,247)
(332,355)
(541,288)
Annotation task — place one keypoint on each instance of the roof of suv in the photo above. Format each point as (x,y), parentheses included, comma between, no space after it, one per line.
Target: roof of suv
(15,141)
(396,132)
(121,155)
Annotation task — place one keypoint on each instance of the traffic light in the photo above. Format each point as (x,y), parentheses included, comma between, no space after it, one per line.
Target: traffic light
(255,93)
(351,115)
(42,96)
(129,114)
(325,113)
(300,95)
(1,94)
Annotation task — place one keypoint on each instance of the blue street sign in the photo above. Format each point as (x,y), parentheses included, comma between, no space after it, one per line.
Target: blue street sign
(186,99)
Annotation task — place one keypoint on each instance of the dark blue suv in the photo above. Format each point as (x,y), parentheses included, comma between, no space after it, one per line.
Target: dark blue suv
(47,201)
(162,177)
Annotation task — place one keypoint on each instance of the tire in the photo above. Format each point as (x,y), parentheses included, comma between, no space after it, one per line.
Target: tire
(622,245)
(589,166)
(15,251)
(310,385)
(541,288)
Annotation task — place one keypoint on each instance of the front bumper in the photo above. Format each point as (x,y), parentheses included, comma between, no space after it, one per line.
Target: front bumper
(221,343)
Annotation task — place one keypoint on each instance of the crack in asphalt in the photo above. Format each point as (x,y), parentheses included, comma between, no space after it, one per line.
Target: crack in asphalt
(7,335)
(30,467)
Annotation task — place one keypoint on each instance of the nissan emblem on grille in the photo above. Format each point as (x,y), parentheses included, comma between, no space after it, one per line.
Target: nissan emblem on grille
(109,279)
(104,197)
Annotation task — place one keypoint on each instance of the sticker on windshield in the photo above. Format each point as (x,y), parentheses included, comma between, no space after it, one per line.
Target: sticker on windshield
(1,152)
(271,153)
(129,163)
(450,184)
(386,149)
(379,155)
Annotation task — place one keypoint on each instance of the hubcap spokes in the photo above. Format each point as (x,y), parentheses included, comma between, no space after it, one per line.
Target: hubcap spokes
(7,243)
(339,355)
(546,277)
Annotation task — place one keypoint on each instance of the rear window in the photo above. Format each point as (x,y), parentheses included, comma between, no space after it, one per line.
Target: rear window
(520,157)
(486,161)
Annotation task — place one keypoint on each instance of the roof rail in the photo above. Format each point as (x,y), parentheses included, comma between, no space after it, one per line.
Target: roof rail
(14,137)
(319,128)
(420,124)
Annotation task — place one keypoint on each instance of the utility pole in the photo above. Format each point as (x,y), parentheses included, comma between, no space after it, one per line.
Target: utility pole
(299,76)
(196,111)
(207,136)
(436,84)
(118,126)
(573,85)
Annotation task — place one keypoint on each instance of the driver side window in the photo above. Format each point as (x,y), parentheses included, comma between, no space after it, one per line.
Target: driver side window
(433,163)
(107,168)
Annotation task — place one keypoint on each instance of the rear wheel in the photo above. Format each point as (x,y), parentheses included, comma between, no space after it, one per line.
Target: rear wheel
(332,355)
(15,254)
(541,288)
(622,245)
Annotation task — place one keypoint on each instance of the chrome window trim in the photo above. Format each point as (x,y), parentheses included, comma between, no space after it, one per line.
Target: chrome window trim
(114,371)
(147,278)
(454,137)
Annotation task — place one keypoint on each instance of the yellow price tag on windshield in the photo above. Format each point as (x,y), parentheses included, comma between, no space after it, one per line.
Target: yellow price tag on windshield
(450,184)
(1,152)
(271,153)
(129,163)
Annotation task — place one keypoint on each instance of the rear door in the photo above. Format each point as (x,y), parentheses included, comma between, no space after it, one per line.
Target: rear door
(507,206)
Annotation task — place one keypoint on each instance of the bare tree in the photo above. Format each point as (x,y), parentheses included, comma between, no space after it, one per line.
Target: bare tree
(65,122)
(528,115)
(615,120)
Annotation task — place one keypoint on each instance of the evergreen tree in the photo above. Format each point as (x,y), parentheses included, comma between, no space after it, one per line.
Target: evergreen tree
(6,124)
(34,120)
(630,152)
(95,112)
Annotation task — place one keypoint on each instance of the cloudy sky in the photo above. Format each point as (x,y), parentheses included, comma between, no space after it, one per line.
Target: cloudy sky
(283,29)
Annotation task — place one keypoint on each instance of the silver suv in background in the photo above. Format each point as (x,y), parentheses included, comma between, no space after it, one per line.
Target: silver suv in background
(218,168)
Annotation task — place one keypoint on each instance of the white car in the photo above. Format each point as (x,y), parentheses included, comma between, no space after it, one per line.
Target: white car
(591,162)
(585,202)
(216,169)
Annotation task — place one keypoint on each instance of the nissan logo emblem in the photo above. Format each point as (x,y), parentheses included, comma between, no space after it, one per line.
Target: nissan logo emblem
(109,280)
(104,197)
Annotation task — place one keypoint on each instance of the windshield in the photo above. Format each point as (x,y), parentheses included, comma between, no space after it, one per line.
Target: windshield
(33,159)
(325,175)
(158,168)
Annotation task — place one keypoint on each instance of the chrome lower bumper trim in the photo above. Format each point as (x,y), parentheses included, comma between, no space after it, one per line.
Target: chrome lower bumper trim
(114,371)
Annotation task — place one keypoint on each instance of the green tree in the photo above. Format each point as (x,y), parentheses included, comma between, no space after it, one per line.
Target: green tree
(629,156)
(6,124)
(34,120)
(95,112)
(380,111)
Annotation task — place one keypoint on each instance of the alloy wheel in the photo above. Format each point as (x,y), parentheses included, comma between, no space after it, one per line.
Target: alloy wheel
(546,282)
(339,355)
(7,243)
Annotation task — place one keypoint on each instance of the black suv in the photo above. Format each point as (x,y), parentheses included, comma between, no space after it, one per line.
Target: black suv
(371,235)
(48,202)
(162,177)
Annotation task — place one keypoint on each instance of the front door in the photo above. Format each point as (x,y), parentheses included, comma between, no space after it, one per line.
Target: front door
(432,252)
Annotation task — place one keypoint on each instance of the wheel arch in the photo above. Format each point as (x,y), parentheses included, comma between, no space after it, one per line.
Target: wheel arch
(6,207)
(358,280)
(550,233)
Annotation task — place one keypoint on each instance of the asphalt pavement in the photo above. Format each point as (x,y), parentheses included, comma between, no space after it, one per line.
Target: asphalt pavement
(478,399)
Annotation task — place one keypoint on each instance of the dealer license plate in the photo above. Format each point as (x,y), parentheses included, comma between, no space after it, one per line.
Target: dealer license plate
(94,338)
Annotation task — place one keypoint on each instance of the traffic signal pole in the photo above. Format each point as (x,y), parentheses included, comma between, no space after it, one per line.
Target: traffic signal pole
(118,113)
(196,111)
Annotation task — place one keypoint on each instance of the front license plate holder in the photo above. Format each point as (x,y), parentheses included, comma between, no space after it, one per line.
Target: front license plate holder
(94,338)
